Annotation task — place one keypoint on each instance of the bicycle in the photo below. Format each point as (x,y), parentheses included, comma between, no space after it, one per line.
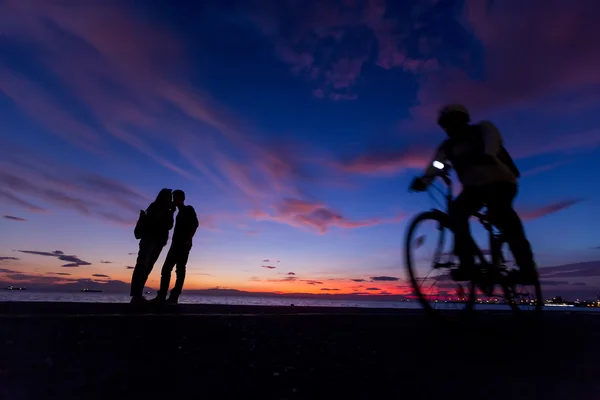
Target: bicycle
(487,275)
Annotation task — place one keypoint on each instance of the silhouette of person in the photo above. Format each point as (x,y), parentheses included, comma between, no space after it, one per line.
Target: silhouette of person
(155,234)
(489,178)
(186,225)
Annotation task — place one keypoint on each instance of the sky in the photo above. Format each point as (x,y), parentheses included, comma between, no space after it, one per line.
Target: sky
(294,127)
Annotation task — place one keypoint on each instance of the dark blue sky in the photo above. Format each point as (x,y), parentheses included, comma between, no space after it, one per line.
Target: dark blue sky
(295,128)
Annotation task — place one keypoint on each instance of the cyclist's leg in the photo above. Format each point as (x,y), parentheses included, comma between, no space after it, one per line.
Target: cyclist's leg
(466,204)
(499,198)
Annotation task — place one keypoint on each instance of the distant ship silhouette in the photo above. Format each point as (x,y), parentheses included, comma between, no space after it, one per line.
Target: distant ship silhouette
(14,288)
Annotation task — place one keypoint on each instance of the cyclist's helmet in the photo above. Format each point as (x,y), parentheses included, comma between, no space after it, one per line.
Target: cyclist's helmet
(453,112)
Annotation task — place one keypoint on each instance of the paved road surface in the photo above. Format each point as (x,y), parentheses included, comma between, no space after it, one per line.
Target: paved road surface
(108,351)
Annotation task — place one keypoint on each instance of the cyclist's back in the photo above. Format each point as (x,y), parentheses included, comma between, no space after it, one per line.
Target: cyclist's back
(467,154)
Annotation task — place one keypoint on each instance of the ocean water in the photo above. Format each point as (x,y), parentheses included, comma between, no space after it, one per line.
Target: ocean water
(195,299)
(254,301)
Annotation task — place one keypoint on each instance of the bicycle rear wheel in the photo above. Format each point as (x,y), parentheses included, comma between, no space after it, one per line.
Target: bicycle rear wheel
(523,298)
(430,278)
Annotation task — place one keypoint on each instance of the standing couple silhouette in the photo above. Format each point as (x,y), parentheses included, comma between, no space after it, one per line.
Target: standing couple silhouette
(152,230)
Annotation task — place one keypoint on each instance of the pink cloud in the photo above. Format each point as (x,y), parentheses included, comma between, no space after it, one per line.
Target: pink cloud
(387,163)
(534,54)
(315,216)
(535,213)
(131,57)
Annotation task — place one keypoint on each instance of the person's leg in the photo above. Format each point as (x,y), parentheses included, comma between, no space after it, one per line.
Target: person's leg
(500,207)
(153,254)
(165,274)
(139,272)
(182,259)
(461,209)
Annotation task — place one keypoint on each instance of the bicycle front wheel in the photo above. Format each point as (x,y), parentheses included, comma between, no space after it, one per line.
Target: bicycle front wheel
(429,260)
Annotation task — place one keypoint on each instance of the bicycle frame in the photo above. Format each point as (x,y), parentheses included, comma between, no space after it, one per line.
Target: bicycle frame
(495,238)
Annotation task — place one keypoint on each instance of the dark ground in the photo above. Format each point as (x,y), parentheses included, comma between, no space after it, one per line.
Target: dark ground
(105,351)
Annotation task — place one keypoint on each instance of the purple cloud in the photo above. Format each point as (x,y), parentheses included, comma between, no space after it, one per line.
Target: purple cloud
(71,261)
(384,278)
(13,218)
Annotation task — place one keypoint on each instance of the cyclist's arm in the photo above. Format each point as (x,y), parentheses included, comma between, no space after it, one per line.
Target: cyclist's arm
(432,171)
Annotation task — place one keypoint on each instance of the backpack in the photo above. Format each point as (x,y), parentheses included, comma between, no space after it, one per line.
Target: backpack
(505,157)
(140,225)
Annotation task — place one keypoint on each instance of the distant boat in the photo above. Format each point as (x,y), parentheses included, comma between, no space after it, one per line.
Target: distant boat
(14,288)
(91,290)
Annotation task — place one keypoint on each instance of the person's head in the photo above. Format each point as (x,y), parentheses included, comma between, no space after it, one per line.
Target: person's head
(163,198)
(178,197)
(453,119)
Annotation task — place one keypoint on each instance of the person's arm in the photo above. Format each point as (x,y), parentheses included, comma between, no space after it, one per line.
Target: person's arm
(194,224)
(170,220)
(432,170)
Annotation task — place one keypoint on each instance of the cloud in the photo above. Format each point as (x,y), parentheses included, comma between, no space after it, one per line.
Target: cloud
(71,261)
(386,162)
(12,199)
(291,273)
(286,279)
(315,216)
(7,271)
(579,284)
(553,283)
(329,289)
(312,282)
(359,280)
(9,259)
(372,288)
(130,267)
(510,65)
(100,276)
(59,273)
(26,173)
(531,214)
(543,168)
(152,96)
(384,278)
(584,269)
(267,261)
(329,43)
(268,266)
(13,218)
(105,262)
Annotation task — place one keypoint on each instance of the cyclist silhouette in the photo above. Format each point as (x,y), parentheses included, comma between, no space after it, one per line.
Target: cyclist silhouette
(489,178)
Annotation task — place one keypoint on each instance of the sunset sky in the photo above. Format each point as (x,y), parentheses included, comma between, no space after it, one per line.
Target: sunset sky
(294,127)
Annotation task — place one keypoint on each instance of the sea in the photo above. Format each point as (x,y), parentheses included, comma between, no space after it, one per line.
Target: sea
(79,297)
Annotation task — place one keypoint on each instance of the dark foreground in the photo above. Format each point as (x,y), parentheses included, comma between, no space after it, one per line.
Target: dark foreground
(92,351)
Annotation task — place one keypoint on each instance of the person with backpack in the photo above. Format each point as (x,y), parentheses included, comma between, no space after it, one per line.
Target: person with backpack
(489,178)
(152,230)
